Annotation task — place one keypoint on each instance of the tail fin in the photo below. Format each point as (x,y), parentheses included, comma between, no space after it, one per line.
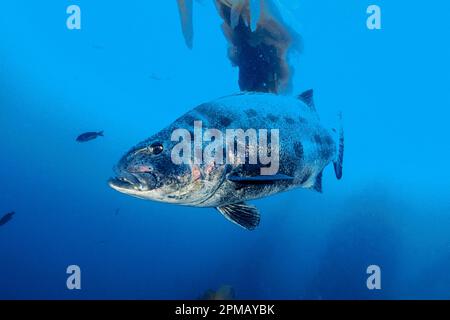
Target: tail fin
(338,162)
(100,133)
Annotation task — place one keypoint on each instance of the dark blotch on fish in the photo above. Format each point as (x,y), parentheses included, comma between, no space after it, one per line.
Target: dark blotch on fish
(224,121)
(272,117)
(289,120)
(318,139)
(251,113)
(298,148)
(6,218)
(88,136)
(210,113)
(328,140)
(326,149)
(205,109)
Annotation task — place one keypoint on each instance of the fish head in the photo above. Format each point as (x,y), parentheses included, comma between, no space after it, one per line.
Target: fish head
(148,172)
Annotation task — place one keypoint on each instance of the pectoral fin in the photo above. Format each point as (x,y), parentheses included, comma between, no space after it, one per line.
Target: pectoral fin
(242,214)
(259,179)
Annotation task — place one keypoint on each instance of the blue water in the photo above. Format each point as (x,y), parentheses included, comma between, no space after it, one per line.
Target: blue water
(391,209)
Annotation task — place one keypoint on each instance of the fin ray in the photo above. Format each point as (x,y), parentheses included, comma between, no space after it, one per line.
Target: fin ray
(242,214)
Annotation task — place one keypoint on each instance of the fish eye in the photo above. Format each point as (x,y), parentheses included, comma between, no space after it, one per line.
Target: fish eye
(156,148)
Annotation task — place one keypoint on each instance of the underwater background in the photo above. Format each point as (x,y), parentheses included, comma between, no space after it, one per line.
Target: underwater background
(128,72)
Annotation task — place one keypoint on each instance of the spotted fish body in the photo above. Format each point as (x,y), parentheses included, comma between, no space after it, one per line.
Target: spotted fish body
(305,149)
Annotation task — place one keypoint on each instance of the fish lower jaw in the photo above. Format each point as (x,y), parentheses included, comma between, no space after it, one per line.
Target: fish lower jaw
(125,186)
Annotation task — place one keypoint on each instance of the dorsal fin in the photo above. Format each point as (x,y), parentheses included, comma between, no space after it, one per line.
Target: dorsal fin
(308,98)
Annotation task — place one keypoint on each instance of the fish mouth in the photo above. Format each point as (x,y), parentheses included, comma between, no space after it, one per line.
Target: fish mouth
(135,182)
(121,183)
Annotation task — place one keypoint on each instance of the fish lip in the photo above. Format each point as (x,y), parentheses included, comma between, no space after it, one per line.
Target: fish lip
(119,183)
(132,181)
(123,179)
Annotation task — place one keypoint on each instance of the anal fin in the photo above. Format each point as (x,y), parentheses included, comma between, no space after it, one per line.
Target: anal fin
(242,214)
(318,183)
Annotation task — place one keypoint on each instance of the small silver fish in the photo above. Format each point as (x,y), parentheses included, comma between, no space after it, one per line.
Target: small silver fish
(298,156)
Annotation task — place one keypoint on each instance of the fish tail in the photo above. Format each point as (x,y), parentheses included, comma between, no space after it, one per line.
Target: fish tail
(339,160)
(100,133)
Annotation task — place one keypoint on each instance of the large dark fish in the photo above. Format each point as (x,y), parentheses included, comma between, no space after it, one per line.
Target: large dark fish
(6,218)
(88,136)
(304,149)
